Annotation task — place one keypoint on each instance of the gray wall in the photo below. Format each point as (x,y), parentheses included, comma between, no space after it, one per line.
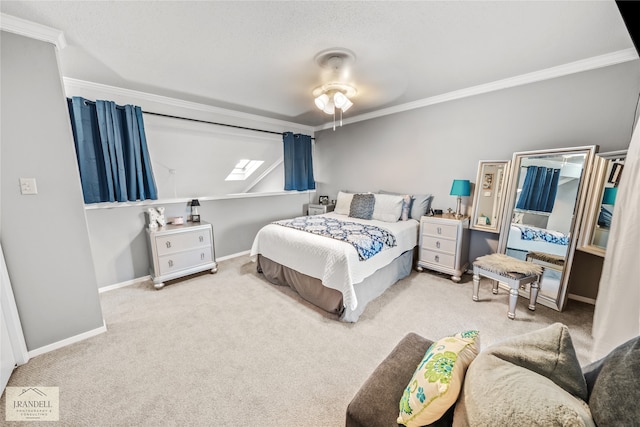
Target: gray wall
(118,234)
(44,236)
(423,150)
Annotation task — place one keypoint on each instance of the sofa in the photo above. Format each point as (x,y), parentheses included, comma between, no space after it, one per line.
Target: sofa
(531,379)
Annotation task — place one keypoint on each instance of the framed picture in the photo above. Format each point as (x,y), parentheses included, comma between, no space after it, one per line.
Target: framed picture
(616,171)
(487,181)
(323,200)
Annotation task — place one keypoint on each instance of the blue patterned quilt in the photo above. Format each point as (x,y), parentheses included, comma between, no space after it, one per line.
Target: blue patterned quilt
(540,234)
(367,239)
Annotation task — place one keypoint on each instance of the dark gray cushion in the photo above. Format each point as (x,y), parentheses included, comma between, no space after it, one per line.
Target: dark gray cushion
(362,206)
(377,402)
(614,385)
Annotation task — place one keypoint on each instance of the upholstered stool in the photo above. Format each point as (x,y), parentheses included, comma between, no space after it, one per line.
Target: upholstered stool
(511,271)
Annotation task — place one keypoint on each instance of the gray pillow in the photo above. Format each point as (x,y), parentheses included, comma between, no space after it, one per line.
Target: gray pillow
(421,205)
(362,206)
(531,379)
(615,390)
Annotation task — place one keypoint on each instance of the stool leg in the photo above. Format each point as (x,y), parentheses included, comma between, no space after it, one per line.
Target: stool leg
(476,286)
(495,287)
(535,287)
(513,299)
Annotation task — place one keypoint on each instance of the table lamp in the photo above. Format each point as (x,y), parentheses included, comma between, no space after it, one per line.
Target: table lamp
(460,188)
(195,217)
(609,196)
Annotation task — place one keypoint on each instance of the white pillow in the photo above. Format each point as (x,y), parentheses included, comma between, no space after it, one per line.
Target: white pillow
(343,203)
(388,207)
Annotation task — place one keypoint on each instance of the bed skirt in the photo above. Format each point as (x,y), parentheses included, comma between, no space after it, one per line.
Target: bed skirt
(330,300)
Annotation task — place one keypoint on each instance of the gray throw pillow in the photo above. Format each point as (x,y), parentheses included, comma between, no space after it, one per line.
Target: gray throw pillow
(421,204)
(615,390)
(362,206)
(527,380)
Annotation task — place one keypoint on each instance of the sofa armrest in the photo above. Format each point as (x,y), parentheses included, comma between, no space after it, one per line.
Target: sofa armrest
(377,402)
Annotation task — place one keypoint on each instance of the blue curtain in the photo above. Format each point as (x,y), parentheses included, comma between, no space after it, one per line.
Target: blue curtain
(298,162)
(112,153)
(539,189)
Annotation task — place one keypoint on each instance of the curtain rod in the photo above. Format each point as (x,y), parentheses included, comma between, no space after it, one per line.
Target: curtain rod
(214,123)
(202,121)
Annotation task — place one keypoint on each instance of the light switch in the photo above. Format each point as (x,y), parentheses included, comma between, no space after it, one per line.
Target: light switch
(28,186)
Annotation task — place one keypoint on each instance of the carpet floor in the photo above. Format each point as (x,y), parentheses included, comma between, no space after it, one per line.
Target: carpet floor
(231,349)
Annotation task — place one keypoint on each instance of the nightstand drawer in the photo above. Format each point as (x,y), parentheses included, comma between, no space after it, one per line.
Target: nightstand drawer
(438,258)
(177,242)
(182,260)
(316,211)
(441,230)
(435,243)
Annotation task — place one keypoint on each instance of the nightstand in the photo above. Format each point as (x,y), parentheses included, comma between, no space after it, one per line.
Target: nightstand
(315,209)
(444,244)
(179,250)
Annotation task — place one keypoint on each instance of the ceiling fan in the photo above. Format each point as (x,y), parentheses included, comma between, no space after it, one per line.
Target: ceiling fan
(336,93)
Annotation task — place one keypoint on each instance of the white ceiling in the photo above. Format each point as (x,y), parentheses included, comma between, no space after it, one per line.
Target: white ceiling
(258,57)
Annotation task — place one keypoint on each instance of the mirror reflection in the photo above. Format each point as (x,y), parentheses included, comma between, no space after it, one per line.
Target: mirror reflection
(488,197)
(544,202)
(601,202)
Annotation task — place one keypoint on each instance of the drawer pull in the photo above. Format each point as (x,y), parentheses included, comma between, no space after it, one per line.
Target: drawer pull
(438,244)
(439,230)
(201,239)
(202,256)
(168,244)
(437,258)
(170,263)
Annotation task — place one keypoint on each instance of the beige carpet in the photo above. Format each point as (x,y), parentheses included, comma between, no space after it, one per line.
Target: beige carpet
(231,349)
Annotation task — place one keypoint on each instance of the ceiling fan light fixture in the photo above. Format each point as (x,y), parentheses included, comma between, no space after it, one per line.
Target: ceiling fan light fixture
(346,105)
(340,99)
(322,101)
(330,108)
(334,95)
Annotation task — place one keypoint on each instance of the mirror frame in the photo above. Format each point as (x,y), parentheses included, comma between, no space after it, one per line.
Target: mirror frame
(495,228)
(594,199)
(510,200)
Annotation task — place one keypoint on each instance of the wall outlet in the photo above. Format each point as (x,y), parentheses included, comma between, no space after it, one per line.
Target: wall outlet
(28,186)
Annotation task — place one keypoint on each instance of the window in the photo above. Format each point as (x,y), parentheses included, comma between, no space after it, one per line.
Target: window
(243,170)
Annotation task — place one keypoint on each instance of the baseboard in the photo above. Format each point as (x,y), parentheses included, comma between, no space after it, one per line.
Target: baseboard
(123,284)
(145,278)
(582,299)
(68,341)
(236,255)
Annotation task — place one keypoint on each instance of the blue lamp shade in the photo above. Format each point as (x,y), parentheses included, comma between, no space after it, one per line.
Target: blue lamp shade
(609,197)
(461,187)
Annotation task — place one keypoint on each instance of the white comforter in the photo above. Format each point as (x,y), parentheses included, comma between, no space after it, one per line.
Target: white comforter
(334,262)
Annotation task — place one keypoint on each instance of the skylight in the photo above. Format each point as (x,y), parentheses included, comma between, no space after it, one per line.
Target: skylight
(243,169)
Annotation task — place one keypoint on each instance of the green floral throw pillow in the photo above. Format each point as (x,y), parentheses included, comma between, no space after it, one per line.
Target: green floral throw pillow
(438,379)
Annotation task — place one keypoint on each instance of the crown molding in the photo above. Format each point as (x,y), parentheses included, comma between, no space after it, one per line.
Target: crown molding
(174,102)
(588,64)
(31,29)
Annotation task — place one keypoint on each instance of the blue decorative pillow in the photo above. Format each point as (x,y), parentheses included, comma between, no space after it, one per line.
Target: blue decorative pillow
(362,206)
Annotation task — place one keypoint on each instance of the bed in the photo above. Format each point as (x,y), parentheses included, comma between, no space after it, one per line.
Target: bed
(525,238)
(331,273)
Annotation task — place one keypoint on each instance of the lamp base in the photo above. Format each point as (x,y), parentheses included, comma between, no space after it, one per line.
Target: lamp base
(458,214)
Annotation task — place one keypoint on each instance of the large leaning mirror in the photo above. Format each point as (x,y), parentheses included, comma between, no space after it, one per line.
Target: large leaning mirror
(594,233)
(544,203)
(488,197)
